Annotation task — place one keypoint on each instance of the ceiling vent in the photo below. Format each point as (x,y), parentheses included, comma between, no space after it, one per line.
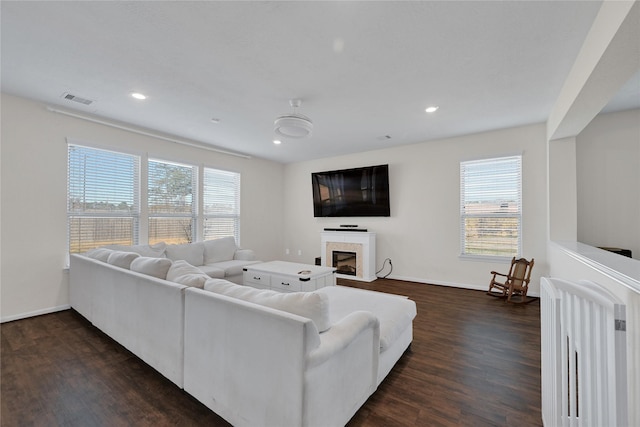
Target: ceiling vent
(74,98)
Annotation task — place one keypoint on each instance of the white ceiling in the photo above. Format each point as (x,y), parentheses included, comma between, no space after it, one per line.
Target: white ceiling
(364,70)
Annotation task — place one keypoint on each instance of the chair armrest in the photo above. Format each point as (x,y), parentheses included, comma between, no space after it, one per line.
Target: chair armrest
(344,333)
(499,274)
(244,255)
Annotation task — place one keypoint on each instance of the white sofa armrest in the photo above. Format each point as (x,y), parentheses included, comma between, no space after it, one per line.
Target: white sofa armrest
(342,334)
(244,255)
(341,373)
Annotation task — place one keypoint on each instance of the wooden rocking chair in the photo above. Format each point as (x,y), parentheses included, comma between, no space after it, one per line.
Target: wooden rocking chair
(515,283)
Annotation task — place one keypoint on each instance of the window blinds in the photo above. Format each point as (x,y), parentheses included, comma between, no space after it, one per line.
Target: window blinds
(221,204)
(491,206)
(102,198)
(171,202)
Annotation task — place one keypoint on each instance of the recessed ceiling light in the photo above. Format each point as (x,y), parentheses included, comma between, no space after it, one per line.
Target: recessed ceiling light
(432,109)
(138,95)
(277,141)
(215,120)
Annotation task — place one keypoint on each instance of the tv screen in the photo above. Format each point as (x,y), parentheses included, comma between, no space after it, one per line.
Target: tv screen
(351,192)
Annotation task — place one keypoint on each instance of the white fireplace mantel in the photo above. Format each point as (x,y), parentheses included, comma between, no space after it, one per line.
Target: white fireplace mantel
(361,242)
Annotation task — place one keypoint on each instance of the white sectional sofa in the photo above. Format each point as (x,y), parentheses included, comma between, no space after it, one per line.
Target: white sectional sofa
(255,357)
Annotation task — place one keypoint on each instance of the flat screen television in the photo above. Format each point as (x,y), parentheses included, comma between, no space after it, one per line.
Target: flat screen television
(351,192)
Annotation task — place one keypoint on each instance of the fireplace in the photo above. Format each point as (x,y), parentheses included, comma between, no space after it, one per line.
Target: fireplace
(352,253)
(345,262)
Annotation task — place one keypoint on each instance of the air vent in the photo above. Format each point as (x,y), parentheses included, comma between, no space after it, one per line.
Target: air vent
(74,98)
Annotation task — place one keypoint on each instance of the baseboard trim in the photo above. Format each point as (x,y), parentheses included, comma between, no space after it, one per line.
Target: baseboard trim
(34,313)
(450,284)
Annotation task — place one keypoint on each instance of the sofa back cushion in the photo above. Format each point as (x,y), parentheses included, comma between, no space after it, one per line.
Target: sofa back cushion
(101,254)
(186,274)
(314,306)
(155,251)
(193,253)
(217,250)
(156,267)
(122,259)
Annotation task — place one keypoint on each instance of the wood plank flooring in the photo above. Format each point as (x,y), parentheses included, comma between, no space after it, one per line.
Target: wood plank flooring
(474,361)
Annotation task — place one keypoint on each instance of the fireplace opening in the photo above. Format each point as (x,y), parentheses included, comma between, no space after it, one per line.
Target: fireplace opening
(344,262)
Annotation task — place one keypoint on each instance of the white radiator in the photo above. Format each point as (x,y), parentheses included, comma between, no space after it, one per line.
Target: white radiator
(583,355)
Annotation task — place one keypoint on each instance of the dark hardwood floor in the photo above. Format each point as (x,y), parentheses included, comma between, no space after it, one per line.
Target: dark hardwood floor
(474,361)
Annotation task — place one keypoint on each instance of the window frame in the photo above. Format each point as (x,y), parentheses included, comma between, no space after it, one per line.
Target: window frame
(515,163)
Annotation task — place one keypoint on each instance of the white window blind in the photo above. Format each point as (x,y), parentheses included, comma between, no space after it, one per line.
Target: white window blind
(171,196)
(102,198)
(491,207)
(221,204)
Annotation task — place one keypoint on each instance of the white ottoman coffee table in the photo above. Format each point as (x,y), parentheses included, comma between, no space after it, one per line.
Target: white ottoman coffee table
(287,276)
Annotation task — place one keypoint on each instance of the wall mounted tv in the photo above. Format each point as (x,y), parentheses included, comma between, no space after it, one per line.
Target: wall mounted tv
(351,192)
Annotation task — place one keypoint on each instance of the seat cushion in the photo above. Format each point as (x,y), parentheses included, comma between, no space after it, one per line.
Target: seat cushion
(232,267)
(212,271)
(394,312)
(311,305)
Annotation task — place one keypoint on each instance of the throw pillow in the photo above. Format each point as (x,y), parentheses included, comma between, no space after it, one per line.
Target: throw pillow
(122,259)
(186,274)
(217,250)
(156,267)
(312,305)
(193,253)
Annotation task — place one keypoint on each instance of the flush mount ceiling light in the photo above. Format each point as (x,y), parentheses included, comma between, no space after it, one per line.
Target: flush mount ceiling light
(432,109)
(293,125)
(138,95)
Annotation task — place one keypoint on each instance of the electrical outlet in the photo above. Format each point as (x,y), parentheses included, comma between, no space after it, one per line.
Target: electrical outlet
(286,251)
(299,251)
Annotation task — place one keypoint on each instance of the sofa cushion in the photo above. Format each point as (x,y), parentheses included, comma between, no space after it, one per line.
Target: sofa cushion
(186,274)
(312,305)
(232,267)
(394,312)
(212,270)
(156,267)
(193,253)
(122,259)
(155,251)
(217,250)
(101,254)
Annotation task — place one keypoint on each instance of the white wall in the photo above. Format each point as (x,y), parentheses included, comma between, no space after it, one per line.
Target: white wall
(608,181)
(33,199)
(423,233)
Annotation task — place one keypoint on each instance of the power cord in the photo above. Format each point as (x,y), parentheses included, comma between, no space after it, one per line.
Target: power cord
(390,269)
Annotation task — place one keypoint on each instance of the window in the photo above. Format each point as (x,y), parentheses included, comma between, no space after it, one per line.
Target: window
(221,201)
(102,198)
(171,202)
(491,207)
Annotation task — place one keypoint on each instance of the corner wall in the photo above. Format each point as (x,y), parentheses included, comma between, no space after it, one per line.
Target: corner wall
(422,236)
(608,193)
(33,199)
